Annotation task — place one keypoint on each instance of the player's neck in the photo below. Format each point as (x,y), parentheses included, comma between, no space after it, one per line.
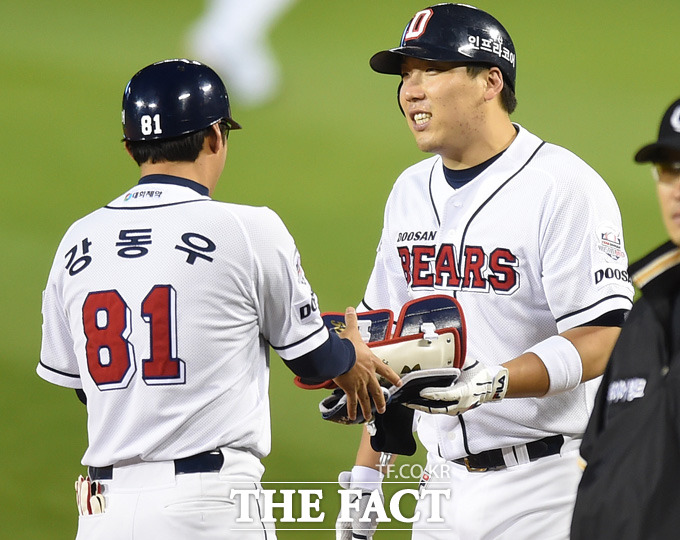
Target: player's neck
(489,142)
(191,170)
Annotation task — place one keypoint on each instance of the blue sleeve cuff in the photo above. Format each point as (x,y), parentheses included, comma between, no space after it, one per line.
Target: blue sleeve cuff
(334,357)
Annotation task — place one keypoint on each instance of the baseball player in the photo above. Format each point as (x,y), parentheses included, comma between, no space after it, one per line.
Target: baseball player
(160,309)
(528,238)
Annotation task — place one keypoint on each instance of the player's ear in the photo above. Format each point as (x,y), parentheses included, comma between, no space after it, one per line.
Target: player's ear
(494,83)
(127,149)
(214,139)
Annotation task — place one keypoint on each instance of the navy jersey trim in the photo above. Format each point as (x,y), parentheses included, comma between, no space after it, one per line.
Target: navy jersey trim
(261,515)
(175,180)
(481,206)
(368,308)
(465,436)
(156,205)
(559,319)
(284,347)
(62,373)
(434,206)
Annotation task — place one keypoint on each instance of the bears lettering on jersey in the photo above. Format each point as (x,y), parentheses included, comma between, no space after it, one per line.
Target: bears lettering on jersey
(438,266)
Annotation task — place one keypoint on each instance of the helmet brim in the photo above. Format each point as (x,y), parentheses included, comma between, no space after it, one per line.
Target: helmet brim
(233,124)
(389,61)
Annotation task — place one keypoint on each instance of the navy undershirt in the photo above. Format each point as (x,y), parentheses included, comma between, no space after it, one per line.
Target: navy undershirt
(332,358)
(458,178)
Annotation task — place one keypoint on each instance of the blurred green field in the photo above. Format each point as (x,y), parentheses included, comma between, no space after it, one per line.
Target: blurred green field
(592,76)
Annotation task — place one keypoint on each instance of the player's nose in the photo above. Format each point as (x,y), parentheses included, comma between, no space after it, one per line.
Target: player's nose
(411,87)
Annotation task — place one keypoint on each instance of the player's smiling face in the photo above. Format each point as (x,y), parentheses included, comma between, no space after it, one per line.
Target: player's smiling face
(442,104)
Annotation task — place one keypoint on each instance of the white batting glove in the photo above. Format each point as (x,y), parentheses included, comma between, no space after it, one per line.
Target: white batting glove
(349,524)
(477,384)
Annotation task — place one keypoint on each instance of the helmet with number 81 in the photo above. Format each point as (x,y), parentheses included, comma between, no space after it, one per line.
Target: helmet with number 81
(173,98)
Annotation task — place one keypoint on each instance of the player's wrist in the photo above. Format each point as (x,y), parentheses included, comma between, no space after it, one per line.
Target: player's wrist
(499,382)
(562,361)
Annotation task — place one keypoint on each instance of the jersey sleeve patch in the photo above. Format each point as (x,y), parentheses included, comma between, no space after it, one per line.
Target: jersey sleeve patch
(305,308)
(610,242)
(302,280)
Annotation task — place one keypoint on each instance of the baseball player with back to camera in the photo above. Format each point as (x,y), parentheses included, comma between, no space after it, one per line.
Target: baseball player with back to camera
(160,309)
(528,238)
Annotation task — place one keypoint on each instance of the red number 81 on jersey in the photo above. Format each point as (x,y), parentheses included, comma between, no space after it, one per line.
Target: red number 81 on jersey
(110,354)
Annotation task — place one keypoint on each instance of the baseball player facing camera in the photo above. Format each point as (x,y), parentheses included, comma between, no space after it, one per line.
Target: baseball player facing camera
(528,238)
(160,309)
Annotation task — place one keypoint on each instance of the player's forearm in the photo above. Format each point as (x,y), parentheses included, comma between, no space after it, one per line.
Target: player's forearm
(594,345)
(332,358)
(529,377)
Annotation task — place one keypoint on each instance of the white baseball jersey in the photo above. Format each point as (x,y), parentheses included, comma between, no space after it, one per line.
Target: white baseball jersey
(531,247)
(161,306)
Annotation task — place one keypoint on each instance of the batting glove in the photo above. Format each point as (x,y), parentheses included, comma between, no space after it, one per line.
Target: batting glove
(355,523)
(477,384)
(89,497)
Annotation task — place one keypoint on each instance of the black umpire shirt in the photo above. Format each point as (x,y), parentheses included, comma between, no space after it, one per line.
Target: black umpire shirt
(631,486)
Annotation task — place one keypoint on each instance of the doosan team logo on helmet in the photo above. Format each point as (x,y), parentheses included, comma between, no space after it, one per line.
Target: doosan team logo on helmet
(452,33)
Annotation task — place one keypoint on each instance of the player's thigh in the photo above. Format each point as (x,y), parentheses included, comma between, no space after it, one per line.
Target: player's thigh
(115,523)
(198,506)
(100,527)
(436,512)
(544,499)
(529,501)
(204,507)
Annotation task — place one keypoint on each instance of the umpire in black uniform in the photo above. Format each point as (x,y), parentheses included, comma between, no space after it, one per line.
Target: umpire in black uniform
(631,485)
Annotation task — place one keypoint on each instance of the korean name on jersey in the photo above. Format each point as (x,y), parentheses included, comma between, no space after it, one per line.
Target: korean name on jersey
(167,301)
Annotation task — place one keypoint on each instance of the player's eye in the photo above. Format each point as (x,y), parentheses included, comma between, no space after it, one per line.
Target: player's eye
(666,172)
(669,168)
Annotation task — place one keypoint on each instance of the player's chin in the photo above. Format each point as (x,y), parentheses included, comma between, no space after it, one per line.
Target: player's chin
(425,143)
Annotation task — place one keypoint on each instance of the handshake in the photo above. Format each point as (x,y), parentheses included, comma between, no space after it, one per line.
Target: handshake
(476,384)
(428,351)
(449,391)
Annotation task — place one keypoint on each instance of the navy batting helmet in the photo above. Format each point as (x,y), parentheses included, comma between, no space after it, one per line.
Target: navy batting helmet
(452,33)
(172,98)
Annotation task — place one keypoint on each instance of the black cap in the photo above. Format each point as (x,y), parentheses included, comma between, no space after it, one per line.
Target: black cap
(452,33)
(667,148)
